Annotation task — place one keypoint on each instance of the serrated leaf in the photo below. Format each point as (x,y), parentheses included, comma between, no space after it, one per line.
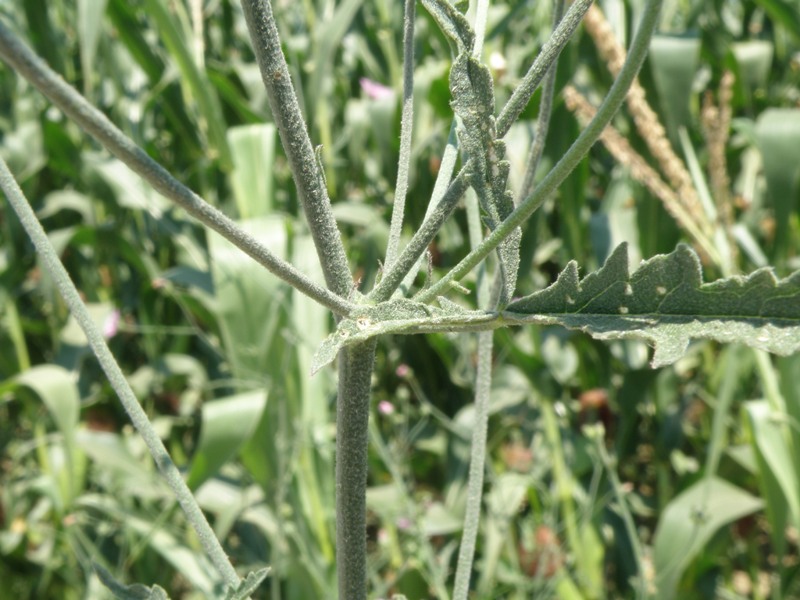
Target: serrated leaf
(248,585)
(453,24)
(472,92)
(666,303)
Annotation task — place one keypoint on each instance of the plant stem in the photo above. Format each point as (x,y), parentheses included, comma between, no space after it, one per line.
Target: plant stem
(625,514)
(430,227)
(424,236)
(115,376)
(406,127)
(440,187)
(543,120)
(297,145)
(477,466)
(568,162)
(546,58)
(483,384)
(96,124)
(352,438)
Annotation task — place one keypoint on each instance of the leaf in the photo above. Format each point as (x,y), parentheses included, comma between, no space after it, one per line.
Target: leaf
(253,152)
(688,523)
(58,390)
(393,316)
(453,24)
(137,591)
(472,93)
(777,130)
(248,585)
(666,304)
(227,424)
(673,62)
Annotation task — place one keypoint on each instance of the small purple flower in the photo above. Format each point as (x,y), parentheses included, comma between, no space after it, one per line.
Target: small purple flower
(375,90)
(385,407)
(402,371)
(403,523)
(111,324)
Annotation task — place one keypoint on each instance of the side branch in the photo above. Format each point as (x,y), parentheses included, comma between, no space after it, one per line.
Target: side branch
(297,145)
(95,123)
(568,162)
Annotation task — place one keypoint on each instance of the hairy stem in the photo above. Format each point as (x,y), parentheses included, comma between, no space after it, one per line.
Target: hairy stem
(115,376)
(546,58)
(352,437)
(568,162)
(410,256)
(297,145)
(96,124)
(543,120)
(477,466)
(406,126)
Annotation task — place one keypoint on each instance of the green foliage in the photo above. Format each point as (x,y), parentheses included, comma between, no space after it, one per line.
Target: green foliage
(700,458)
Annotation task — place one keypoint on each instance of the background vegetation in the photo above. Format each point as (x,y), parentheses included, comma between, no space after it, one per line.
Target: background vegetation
(219,352)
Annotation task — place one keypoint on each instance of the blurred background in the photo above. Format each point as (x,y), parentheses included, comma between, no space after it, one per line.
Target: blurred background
(599,466)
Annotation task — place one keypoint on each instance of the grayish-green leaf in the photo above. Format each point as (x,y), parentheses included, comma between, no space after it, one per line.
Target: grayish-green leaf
(400,315)
(453,24)
(472,92)
(249,584)
(666,304)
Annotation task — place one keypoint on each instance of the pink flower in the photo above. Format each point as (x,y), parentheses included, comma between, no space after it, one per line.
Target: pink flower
(111,324)
(385,407)
(375,90)
(402,371)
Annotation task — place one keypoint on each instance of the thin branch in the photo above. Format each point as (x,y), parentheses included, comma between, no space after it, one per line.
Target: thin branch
(406,127)
(546,58)
(297,145)
(543,120)
(440,187)
(115,376)
(568,162)
(410,256)
(421,240)
(352,439)
(477,466)
(96,124)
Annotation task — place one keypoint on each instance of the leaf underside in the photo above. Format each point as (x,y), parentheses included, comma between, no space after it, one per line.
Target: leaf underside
(664,302)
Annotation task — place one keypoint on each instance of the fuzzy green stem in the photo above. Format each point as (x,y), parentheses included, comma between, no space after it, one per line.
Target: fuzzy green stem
(624,513)
(543,120)
(96,124)
(477,466)
(568,162)
(546,58)
(406,126)
(297,145)
(409,258)
(115,376)
(352,438)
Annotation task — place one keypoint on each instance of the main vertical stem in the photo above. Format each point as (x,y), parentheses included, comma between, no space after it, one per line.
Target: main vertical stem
(352,435)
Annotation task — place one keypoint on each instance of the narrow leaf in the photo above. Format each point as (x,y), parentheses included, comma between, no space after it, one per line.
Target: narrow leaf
(472,92)
(666,303)
(453,24)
